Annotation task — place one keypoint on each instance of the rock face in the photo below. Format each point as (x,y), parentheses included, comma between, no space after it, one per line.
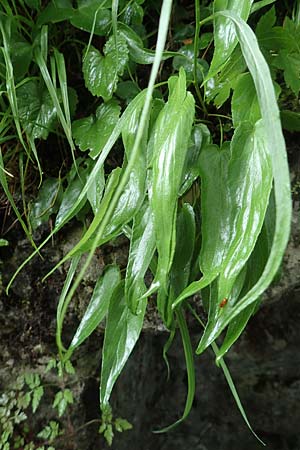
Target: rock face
(265,363)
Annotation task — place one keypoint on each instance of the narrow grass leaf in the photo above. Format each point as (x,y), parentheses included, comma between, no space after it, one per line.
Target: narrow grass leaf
(190,367)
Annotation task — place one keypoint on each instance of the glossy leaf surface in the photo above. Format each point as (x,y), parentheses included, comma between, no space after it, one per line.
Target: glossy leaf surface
(93,132)
(101,73)
(92,15)
(98,306)
(168,145)
(225,37)
(244,104)
(142,246)
(121,334)
(271,122)
(37,112)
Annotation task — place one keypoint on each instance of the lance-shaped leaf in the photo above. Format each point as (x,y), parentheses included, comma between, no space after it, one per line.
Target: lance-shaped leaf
(168,145)
(276,146)
(97,308)
(225,36)
(251,274)
(142,246)
(121,334)
(101,73)
(246,191)
(93,132)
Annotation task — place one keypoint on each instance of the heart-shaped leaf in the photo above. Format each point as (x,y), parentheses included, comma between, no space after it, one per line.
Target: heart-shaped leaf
(101,73)
(93,132)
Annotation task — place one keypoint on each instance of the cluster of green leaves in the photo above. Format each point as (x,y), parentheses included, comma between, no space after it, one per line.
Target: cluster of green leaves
(26,393)
(228,241)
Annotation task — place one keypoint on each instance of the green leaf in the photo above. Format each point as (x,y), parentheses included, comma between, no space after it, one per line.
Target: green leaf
(290,63)
(122,425)
(21,55)
(187,62)
(225,37)
(261,4)
(76,181)
(244,104)
(101,73)
(36,398)
(34,4)
(93,132)
(200,137)
(36,109)
(46,203)
(121,334)
(190,366)
(3,242)
(254,269)
(219,87)
(137,52)
(142,246)
(247,184)
(108,434)
(290,120)
(275,142)
(168,146)
(92,16)
(56,11)
(97,308)
(185,240)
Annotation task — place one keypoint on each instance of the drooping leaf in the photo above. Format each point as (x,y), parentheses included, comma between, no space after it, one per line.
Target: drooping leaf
(121,334)
(190,367)
(168,146)
(225,38)
(92,133)
(253,270)
(142,246)
(101,73)
(97,308)
(275,142)
(246,194)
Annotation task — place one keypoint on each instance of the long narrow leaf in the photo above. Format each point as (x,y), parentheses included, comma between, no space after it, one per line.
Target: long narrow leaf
(121,334)
(272,128)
